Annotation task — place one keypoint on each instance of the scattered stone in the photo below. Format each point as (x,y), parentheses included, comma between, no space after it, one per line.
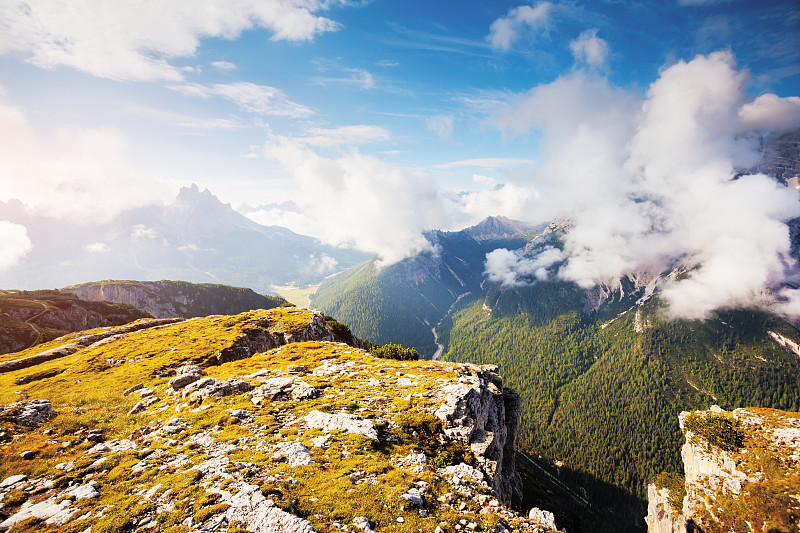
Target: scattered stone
(414,495)
(138,386)
(184,375)
(362,523)
(28,455)
(199,384)
(240,413)
(293,452)
(12,480)
(221,388)
(304,391)
(350,423)
(296,369)
(175,425)
(66,467)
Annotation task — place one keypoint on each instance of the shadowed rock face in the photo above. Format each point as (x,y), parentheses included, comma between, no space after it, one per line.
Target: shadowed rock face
(481,413)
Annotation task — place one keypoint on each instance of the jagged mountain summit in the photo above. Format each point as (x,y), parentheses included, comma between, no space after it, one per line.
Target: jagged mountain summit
(257,422)
(167,299)
(409,298)
(196,238)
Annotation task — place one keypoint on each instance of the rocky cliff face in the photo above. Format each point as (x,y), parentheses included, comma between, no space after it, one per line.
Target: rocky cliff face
(301,436)
(166,299)
(742,473)
(30,318)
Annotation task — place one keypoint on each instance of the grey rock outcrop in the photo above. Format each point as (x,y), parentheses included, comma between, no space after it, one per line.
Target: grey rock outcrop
(661,518)
(262,339)
(184,375)
(478,411)
(28,413)
(748,455)
(249,505)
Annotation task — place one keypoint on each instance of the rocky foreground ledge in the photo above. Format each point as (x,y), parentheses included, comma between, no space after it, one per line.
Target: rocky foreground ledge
(742,474)
(257,422)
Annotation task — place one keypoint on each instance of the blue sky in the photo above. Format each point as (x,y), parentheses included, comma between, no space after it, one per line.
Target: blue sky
(377,119)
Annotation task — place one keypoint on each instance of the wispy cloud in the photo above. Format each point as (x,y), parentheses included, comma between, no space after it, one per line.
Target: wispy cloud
(260,99)
(357,77)
(224,66)
(345,135)
(135,41)
(486,162)
(441,125)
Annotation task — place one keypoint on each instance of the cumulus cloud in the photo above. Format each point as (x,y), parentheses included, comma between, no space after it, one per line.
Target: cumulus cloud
(512,268)
(124,40)
(648,183)
(358,200)
(769,112)
(81,174)
(590,49)
(441,125)
(14,244)
(96,247)
(250,97)
(505,30)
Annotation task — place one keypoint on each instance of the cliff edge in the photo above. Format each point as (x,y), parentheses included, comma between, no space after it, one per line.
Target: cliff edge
(254,422)
(742,474)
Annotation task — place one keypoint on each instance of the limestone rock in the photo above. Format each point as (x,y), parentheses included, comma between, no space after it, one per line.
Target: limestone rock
(184,375)
(28,413)
(350,423)
(478,411)
(293,452)
(545,518)
(660,516)
(249,505)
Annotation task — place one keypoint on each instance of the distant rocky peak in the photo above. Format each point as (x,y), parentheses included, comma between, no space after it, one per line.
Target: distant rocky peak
(194,196)
(495,227)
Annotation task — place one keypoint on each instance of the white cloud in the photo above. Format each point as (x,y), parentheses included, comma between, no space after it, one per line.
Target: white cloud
(358,200)
(225,66)
(590,49)
(387,63)
(358,77)
(14,244)
(142,232)
(505,30)
(124,40)
(648,184)
(769,112)
(484,180)
(250,97)
(512,268)
(96,247)
(82,174)
(441,125)
(345,135)
(486,162)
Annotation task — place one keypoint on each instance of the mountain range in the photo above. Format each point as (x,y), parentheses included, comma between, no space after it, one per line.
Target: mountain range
(195,238)
(601,372)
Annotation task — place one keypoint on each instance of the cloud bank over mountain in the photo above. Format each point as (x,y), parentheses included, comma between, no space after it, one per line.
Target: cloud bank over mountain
(650,182)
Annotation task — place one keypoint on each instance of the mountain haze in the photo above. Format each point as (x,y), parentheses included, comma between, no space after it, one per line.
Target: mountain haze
(195,238)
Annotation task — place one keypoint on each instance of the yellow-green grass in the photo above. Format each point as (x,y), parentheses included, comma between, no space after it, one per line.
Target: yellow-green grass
(300,296)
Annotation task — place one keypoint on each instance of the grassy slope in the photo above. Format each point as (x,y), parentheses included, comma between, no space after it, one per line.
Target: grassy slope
(88,394)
